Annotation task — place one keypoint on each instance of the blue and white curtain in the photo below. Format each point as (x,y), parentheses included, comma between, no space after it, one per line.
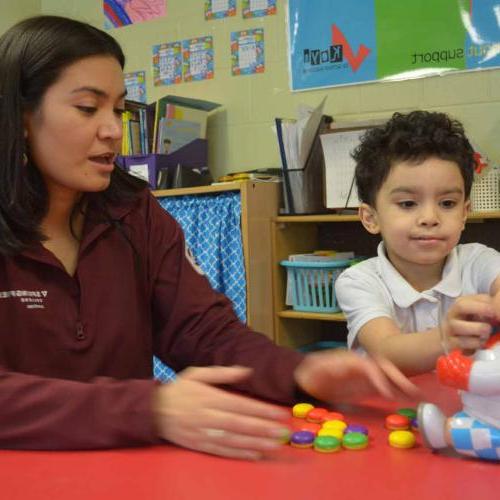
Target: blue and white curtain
(211,225)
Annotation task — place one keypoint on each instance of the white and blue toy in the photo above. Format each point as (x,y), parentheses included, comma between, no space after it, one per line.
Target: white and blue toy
(474,431)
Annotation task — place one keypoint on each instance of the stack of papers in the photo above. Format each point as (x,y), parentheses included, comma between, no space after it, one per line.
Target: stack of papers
(302,159)
(299,134)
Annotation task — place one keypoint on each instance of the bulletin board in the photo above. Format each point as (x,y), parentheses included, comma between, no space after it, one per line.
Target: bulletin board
(345,42)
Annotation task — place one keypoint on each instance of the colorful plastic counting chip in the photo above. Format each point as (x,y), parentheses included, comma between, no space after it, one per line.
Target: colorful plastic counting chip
(300,410)
(396,422)
(356,428)
(402,439)
(326,444)
(302,439)
(334,424)
(411,413)
(316,415)
(355,441)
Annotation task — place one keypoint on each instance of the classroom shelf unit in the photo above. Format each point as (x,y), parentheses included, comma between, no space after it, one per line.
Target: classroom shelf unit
(259,203)
(292,234)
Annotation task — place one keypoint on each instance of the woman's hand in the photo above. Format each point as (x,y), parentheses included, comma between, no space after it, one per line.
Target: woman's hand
(467,325)
(193,413)
(337,376)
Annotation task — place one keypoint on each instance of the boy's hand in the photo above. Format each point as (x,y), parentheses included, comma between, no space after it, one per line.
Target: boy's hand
(339,376)
(467,325)
(495,300)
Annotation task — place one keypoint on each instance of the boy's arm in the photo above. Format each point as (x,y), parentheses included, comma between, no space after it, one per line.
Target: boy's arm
(411,353)
(495,286)
(467,326)
(495,293)
(367,305)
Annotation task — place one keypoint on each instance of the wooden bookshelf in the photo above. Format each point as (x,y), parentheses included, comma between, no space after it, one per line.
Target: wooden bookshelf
(355,217)
(289,313)
(214,188)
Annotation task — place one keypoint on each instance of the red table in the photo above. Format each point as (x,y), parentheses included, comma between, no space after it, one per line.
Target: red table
(171,473)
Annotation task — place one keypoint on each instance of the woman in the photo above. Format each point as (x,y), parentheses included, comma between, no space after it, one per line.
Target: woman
(95,280)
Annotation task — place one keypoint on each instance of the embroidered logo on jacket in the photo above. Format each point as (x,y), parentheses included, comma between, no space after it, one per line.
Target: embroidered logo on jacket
(33,299)
(192,260)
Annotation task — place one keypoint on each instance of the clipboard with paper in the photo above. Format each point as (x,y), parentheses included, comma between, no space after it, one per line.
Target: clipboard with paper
(337,145)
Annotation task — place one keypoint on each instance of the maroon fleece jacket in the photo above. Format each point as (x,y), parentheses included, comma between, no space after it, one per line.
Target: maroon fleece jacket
(76,351)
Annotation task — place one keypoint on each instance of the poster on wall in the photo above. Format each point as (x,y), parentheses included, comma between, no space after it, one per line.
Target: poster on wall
(344,42)
(198,58)
(167,63)
(247,52)
(258,8)
(135,83)
(118,13)
(218,9)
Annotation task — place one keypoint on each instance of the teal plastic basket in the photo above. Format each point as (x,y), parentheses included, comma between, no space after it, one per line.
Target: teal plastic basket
(313,284)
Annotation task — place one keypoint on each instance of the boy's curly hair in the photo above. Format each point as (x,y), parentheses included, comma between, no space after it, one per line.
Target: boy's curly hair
(412,137)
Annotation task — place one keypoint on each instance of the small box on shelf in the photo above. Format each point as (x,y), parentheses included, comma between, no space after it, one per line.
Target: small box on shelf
(162,170)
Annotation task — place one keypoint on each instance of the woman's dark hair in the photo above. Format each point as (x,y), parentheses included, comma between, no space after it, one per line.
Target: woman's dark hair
(33,54)
(412,137)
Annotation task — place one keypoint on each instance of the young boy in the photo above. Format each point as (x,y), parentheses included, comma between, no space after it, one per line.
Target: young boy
(414,177)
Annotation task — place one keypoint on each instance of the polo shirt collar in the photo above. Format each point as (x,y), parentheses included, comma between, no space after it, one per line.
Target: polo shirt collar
(404,295)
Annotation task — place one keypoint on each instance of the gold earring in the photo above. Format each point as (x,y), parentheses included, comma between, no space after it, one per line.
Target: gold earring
(25,159)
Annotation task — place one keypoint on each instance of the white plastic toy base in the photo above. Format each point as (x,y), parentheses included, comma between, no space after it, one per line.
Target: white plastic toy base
(431,424)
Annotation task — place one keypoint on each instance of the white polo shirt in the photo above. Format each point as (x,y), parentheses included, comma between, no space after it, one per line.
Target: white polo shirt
(374,288)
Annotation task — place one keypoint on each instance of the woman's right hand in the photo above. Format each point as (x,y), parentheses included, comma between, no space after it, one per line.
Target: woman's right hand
(193,413)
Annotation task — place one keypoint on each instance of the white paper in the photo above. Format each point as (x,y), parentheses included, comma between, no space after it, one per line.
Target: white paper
(247,51)
(220,5)
(167,63)
(198,59)
(140,171)
(340,187)
(258,5)
(290,143)
(307,127)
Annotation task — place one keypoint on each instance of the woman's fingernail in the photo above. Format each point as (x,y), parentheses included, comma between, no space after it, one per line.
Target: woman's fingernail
(252,455)
(282,435)
(272,445)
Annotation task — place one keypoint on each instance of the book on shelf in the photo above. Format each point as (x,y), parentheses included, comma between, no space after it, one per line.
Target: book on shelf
(164,126)
(174,133)
(137,121)
(135,138)
(169,134)
(179,121)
